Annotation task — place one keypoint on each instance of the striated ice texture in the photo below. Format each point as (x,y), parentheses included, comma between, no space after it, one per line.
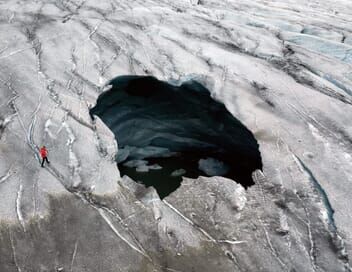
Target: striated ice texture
(281,68)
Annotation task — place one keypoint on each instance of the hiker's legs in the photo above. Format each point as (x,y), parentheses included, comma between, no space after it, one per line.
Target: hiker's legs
(45,159)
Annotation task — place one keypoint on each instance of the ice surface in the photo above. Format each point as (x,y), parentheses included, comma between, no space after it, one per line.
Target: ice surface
(282,68)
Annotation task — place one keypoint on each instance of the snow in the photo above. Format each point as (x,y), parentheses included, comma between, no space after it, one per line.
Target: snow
(282,68)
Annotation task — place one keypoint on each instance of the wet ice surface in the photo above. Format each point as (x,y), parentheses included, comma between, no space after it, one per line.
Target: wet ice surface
(282,68)
(181,126)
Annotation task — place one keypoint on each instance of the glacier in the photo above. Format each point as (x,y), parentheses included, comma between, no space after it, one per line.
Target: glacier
(281,68)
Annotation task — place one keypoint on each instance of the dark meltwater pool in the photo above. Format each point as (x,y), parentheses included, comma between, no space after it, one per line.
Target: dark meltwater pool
(166,132)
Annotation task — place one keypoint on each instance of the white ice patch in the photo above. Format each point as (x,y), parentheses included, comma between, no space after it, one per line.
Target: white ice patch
(19,205)
(74,163)
(284,227)
(315,132)
(241,198)
(212,167)
(71,136)
(49,124)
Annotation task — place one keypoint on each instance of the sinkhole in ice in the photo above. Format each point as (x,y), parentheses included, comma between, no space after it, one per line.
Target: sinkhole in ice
(165,132)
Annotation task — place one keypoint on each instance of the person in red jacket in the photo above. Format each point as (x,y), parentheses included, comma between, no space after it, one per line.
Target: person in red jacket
(44,155)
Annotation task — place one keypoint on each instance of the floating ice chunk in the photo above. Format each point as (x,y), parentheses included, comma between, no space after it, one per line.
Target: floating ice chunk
(151,152)
(178,172)
(212,167)
(155,167)
(142,165)
(140,153)
(135,163)
(142,168)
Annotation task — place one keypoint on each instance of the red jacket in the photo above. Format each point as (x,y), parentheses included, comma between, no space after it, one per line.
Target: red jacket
(43,152)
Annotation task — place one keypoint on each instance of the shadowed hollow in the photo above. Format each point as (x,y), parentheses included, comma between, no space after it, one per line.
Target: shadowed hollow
(165,132)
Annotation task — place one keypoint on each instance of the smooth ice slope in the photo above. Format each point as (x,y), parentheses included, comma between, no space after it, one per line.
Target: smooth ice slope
(282,68)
